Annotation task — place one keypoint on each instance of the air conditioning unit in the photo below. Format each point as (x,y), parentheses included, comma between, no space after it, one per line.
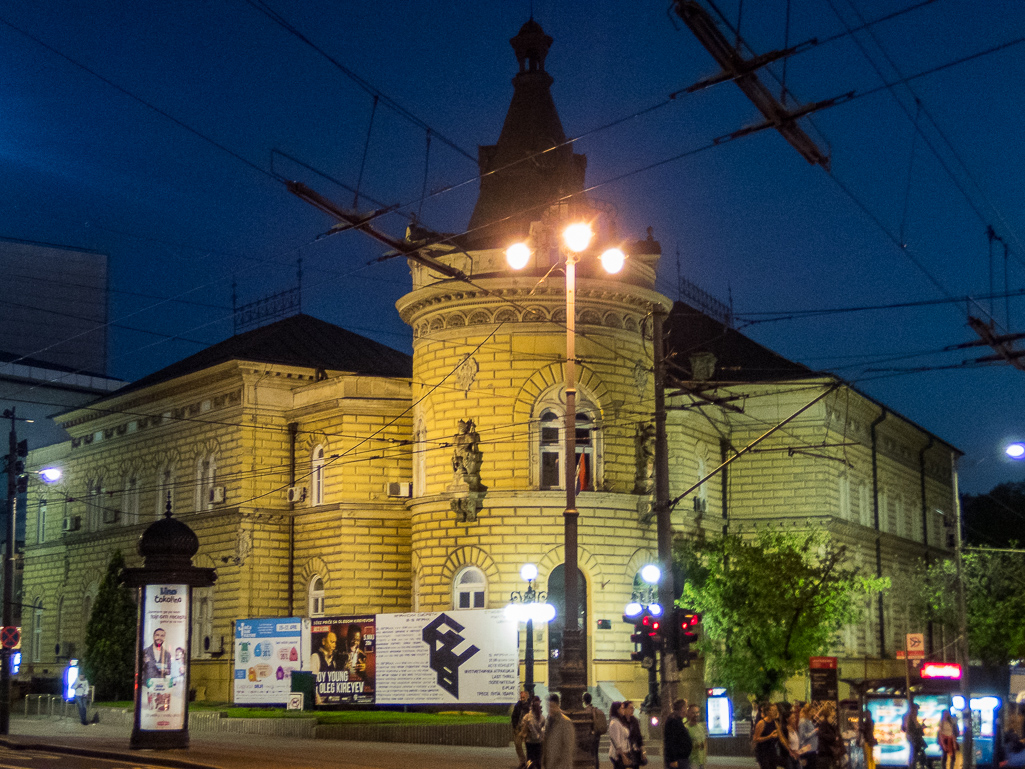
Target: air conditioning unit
(296,494)
(216,495)
(72,523)
(400,489)
(111,516)
(700,505)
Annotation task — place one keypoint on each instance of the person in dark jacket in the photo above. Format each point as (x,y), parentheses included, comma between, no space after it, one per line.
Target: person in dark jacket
(677,744)
(520,709)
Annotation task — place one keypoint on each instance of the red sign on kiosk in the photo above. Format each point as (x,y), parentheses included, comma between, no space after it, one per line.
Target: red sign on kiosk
(822,663)
(941,670)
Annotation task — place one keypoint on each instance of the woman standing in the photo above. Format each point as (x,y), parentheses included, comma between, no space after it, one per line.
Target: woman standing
(791,740)
(619,735)
(831,749)
(808,735)
(532,731)
(948,739)
(766,738)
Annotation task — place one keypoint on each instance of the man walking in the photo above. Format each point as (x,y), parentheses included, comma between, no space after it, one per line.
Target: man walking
(599,725)
(560,739)
(518,711)
(676,741)
(81,691)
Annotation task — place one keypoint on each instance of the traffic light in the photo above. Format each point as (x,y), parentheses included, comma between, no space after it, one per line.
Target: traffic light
(647,635)
(687,627)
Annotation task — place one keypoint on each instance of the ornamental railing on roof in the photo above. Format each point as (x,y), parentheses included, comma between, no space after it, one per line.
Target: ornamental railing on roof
(283,304)
(704,301)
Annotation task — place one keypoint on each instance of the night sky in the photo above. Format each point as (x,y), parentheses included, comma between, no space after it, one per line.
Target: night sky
(159,134)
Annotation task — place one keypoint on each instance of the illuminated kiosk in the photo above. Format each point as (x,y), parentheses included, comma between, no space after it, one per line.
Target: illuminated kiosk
(163,639)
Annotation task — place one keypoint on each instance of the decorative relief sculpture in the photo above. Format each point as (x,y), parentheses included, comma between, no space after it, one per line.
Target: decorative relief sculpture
(644,474)
(466,374)
(467,490)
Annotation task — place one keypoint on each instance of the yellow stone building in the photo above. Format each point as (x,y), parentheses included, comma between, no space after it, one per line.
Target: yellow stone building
(326,474)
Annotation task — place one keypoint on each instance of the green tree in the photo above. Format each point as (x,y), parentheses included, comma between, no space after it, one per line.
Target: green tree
(994,599)
(109,659)
(768,603)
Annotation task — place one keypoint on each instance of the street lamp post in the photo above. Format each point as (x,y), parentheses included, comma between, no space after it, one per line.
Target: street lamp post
(576,239)
(527,606)
(647,597)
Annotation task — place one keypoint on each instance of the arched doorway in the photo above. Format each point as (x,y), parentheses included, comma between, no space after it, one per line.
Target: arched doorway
(557,598)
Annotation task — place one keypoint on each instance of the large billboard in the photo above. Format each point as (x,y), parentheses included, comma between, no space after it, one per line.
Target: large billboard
(165,657)
(267,650)
(447,658)
(344,660)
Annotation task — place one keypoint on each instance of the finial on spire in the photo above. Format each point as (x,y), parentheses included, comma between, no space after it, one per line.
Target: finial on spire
(531,45)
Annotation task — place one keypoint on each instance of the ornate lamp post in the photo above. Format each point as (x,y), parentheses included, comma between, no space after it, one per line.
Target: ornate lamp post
(528,606)
(641,599)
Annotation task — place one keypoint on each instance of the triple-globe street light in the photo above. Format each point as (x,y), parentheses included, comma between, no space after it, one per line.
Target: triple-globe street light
(574,244)
(529,606)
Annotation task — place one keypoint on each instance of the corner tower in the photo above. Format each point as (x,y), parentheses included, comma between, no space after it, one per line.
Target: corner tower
(489,497)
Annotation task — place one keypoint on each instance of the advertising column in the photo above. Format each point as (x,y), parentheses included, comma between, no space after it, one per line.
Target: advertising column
(165,628)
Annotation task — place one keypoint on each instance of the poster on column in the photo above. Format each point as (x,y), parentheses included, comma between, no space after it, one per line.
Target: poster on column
(267,650)
(165,657)
(344,659)
(447,658)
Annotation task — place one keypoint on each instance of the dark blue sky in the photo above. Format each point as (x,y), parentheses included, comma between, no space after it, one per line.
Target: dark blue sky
(87,165)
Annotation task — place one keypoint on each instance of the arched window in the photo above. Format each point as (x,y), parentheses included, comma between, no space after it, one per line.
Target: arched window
(206,478)
(130,503)
(95,504)
(551,437)
(165,488)
(316,597)
(470,589)
(41,523)
(202,622)
(37,631)
(317,476)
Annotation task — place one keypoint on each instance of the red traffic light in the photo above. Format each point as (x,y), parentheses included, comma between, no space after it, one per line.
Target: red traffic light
(650,624)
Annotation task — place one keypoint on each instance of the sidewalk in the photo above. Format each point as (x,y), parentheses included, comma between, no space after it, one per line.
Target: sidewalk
(241,751)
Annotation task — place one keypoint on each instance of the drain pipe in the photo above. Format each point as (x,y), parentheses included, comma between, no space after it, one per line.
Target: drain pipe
(293,432)
(879,545)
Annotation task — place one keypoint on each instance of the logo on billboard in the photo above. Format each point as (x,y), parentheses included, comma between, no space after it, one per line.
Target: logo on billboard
(444,660)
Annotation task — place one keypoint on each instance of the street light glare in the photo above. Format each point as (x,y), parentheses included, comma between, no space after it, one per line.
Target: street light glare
(517,255)
(612,260)
(651,574)
(633,609)
(577,237)
(528,572)
(50,474)
(1015,450)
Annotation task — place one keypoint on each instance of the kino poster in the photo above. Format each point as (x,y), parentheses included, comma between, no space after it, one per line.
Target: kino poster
(447,657)
(165,657)
(344,659)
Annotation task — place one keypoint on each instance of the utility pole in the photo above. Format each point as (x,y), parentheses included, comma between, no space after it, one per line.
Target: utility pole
(14,469)
(663,519)
(962,626)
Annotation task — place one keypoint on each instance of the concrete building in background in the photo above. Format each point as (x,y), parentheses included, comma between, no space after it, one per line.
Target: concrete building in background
(325,474)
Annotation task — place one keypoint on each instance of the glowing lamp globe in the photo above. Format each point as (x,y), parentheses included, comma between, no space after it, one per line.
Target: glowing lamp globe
(1015,450)
(528,572)
(651,573)
(577,237)
(612,260)
(517,255)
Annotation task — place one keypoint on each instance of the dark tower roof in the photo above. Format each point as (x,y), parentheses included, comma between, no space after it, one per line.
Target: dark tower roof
(526,181)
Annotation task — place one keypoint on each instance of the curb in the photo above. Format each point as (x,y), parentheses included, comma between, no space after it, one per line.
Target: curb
(71,750)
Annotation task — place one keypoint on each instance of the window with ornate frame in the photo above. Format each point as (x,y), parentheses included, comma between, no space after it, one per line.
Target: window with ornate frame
(206,479)
(470,589)
(202,622)
(130,503)
(41,522)
(550,446)
(315,602)
(95,504)
(317,476)
(37,630)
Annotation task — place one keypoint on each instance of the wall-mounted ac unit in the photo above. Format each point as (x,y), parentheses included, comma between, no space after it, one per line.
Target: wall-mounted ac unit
(216,495)
(72,523)
(700,505)
(400,489)
(296,494)
(111,516)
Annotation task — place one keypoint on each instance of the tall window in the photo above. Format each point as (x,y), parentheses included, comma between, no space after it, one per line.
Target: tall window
(552,447)
(165,488)
(37,631)
(470,588)
(95,504)
(130,503)
(202,622)
(865,504)
(41,522)
(845,497)
(316,597)
(206,478)
(317,476)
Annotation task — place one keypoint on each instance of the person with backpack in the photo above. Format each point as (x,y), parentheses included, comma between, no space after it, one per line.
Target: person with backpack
(599,725)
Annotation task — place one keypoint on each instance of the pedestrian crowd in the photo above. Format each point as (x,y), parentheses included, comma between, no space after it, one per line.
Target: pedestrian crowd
(798,735)
(548,743)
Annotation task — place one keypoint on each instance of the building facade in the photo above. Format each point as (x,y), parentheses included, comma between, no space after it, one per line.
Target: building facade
(325,474)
